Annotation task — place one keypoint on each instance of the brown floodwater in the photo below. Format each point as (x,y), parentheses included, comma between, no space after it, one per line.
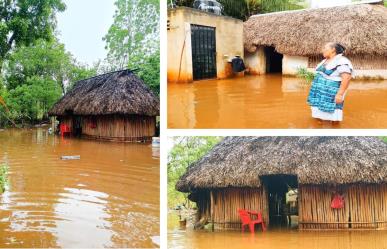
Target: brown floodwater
(277,238)
(269,101)
(108,198)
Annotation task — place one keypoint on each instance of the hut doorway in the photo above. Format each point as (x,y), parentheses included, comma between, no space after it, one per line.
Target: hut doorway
(282,191)
(77,126)
(273,60)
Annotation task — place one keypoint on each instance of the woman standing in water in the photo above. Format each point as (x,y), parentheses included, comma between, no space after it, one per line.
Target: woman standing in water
(333,74)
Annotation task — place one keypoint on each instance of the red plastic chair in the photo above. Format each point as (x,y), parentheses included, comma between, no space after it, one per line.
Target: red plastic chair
(64,129)
(337,202)
(246,219)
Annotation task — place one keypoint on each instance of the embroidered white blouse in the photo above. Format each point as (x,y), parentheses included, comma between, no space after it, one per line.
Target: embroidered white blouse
(342,65)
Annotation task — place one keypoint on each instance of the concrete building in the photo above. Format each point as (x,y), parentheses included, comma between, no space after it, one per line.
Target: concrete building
(201,45)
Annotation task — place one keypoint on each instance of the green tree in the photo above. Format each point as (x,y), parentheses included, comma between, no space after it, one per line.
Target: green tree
(31,101)
(281,5)
(243,9)
(134,32)
(79,72)
(24,21)
(186,150)
(46,59)
(149,71)
(35,77)
(133,40)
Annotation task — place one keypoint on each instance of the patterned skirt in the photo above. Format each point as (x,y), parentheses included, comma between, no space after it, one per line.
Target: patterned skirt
(322,94)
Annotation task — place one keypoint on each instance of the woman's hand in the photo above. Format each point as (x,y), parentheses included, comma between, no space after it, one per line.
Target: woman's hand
(339,98)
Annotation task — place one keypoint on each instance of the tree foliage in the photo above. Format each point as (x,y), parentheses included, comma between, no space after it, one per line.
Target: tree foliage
(45,59)
(35,77)
(243,9)
(24,21)
(185,151)
(133,40)
(31,101)
(134,32)
(149,71)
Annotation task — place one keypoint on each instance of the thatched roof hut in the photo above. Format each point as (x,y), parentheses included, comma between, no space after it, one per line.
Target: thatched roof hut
(120,92)
(240,161)
(362,28)
(242,171)
(291,39)
(113,106)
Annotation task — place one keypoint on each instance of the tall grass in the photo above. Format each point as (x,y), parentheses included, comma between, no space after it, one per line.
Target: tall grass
(3,177)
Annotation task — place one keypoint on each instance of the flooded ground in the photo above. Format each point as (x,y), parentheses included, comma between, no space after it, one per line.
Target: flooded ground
(108,198)
(279,239)
(268,101)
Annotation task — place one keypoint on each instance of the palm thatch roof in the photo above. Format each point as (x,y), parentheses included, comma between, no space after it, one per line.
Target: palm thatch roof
(361,28)
(120,92)
(241,161)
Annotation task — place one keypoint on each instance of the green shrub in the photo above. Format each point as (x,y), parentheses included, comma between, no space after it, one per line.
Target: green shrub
(305,75)
(3,177)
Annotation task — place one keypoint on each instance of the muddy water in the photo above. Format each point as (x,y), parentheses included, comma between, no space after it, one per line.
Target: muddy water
(108,198)
(268,101)
(278,239)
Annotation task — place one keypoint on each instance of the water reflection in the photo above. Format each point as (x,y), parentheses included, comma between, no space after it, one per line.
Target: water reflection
(279,239)
(268,101)
(108,198)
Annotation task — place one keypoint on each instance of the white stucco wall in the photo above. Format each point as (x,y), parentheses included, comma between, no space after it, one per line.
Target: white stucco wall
(229,42)
(291,64)
(256,62)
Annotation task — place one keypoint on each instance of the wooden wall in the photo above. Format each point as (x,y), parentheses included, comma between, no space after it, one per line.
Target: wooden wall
(117,127)
(365,207)
(67,121)
(222,207)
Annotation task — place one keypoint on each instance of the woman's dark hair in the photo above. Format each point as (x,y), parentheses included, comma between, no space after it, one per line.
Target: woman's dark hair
(340,49)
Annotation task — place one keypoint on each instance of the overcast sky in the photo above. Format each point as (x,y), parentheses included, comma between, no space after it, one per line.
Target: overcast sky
(82,26)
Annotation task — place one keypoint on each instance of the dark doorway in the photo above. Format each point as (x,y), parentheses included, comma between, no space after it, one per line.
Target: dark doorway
(283,199)
(203,44)
(77,126)
(273,60)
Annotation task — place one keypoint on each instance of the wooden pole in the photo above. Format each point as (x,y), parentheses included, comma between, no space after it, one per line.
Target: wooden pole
(212,209)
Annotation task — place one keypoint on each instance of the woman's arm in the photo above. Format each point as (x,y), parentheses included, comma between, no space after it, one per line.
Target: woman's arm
(345,78)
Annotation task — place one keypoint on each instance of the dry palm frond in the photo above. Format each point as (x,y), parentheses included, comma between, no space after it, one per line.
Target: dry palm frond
(120,92)
(241,161)
(361,28)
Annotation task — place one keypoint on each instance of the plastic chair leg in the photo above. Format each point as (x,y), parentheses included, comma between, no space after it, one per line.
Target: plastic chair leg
(251,228)
(263,226)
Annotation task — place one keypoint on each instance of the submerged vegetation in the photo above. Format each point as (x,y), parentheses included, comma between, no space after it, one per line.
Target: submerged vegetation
(306,75)
(3,177)
(185,151)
